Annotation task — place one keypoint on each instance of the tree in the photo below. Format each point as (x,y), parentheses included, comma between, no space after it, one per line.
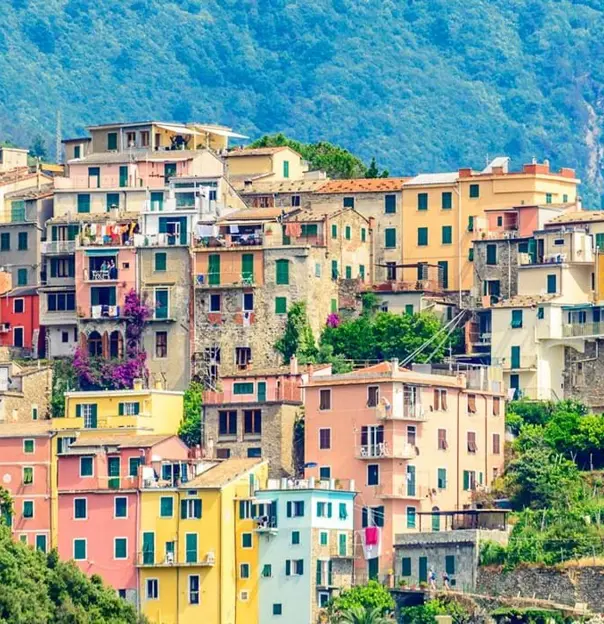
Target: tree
(64,379)
(358,614)
(424,614)
(297,338)
(38,148)
(190,427)
(374,172)
(373,596)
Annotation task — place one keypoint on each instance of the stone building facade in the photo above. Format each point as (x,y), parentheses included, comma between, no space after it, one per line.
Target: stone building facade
(583,375)
(24,392)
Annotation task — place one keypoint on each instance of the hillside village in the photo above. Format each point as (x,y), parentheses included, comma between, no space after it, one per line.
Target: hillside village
(344,352)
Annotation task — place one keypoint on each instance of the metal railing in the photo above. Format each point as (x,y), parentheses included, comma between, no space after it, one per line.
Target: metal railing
(577,330)
(385,450)
(524,362)
(59,247)
(226,280)
(152,559)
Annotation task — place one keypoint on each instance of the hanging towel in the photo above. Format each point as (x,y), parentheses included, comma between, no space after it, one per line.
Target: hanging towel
(293,229)
(371,551)
(371,536)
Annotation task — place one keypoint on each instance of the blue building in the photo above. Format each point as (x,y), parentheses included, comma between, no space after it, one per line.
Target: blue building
(305,547)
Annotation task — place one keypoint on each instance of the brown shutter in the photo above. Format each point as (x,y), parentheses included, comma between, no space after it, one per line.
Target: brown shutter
(496,406)
(443,400)
(472,403)
(436,400)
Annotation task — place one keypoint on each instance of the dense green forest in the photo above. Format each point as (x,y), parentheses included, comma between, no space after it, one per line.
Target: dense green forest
(419,84)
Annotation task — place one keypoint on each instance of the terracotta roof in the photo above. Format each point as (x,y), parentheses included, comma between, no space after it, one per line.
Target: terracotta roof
(122,440)
(275,370)
(253,214)
(256,151)
(363,185)
(94,217)
(223,473)
(32,192)
(285,186)
(578,216)
(16,175)
(524,301)
(32,428)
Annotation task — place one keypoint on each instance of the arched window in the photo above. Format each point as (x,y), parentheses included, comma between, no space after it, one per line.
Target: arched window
(116,345)
(95,344)
(435,519)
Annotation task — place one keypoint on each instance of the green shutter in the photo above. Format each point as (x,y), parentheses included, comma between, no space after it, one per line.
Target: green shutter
(347,232)
(406,566)
(83,202)
(422,236)
(466,480)
(319,578)
(342,544)
(247,268)
(363,235)
(191,547)
(422,201)
(123,176)
(120,548)
(348,272)
(161,261)
(280,305)
(334,269)
(166,506)
(282,272)
(149,547)
(21,277)
(447,200)
(288,567)
(516,319)
(444,272)
(442,478)
(471,254)
(474,191)
(470,223)
(112,199)
(491,254)
(390,204)
(214,269)
(286,168)
(515,357)
(552,286)
(112,141)
(78,410)
(334,230)
(390,238)
(120,409)
(447,234)
(450,564)
(362,271)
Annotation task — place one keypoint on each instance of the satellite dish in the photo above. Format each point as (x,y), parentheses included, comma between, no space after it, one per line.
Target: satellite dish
(7,478)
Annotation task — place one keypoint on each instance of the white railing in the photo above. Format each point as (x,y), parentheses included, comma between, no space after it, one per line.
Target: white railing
(51,247)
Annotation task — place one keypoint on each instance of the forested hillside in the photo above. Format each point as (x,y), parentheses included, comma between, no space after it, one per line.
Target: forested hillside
(420,84)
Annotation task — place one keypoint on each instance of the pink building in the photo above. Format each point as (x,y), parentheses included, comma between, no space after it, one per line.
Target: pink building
(520,221)
(98,494)
(411,441)
(27,473)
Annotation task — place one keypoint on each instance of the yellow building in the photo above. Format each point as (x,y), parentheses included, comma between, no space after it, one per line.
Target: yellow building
(138,411)
(199,554)
(440,210)
(271,164)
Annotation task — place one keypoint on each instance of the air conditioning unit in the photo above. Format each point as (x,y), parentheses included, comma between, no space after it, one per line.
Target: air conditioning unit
(170,558)
(4,327)
(211,557)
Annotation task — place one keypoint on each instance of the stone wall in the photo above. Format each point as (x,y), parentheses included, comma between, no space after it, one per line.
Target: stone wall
(567,586)
(18,406)
(276,440)
(506,269)
(583,374)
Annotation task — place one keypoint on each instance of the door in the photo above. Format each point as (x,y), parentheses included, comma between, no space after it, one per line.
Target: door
(123,176)
(214,269)
(191,546)
(423,569)
(148,548)
(540,250)
(113,469)
(94,177)
(247,268)
(161,303)
(373,568)
(435,519)
(515,357)
(169,171)
(410,480)
(261,391)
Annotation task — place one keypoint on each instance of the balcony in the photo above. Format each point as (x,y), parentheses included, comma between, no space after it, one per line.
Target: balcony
(224,280)
(285,392)
(150,559)
(101,312)
(433,285)
(582,330)
(384,450)
(266,525)
(401,491)
(100,274)
(407,411)
(525,362)
(58,247)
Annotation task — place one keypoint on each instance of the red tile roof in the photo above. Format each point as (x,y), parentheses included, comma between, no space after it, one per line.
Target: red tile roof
(362,185)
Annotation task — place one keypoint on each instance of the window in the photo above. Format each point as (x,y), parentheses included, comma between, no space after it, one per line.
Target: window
(61,301)
(373,474)
(325,473)
(34,412)
(62,267)
(243,356)
(152,589)
(323,599)
(79,549)
(80,508)
(558,241)
(41,543)
(334,269)
(215,303)
(286,168)
(27,476)
(323,538)
(248,302)
(295,538)
(443,271)
(422,236)
(144,138)
(295,201)
(83,202)
(446,200)
(348,202)
(492,254)
(295,509)
(362,271)
(22,241)
(161,260)
(516,319)
(324,510)
(28,509)
(120,548)
(21,277)
(334,230)
(325,399)
(441,480)
(406,566)
(470,223)
(29,446)
(390,204)
(411,514)
(450,564)
(255,451)
(552,286)
(515,357)
(246,540)
(252,422)
(223,453)
(363,235)
(282,271)
(440,400)
(471,442)
(469,480)
(472,403)
(65,336)
(373,396)
(411,434)
(347,232)
(422,201)
(194,589)
(161,344)
(280,305)
(442,440)
(496,444)
(242,387)
(294,567)
(244,570)
(390,238)
(120,507)
(277,608)
(348,272)
(324,439)
(548,198)
(112,140)
(5,241)
(372,516)
(162,303)
(190,509)
(166,507)
(540,313)
(499,221)
(447,234)
(496,406)
(343,512)
(474,191)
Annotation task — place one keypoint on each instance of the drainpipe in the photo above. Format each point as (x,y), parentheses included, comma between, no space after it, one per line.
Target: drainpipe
(458,444)
(486,439)
(459,237)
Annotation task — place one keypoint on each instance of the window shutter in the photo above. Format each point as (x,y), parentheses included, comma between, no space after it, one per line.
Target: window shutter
(53,267)
(364,520)
(288,567)
(120,409)
(329,574)
(329,510)
(183,509)
(78,411)
(301,508)
(450,564)
(289,509)
(319,572)
(406,566)
(198,508)
(241,510)
(466,480)
(300,566)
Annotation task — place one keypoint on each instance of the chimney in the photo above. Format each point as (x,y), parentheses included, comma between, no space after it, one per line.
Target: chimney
(293,365)
(394,363)
(567,172)
(465,172)
(138,384)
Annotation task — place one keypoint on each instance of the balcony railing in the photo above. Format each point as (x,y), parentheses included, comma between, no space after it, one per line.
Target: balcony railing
(525,362)
(152,559)
(398,490)
(578,330)
(103,311)
(224,280)
(286,392)
(385,450)
(100,275)
(59,247)
(227,241)
(408,411)
(266,524)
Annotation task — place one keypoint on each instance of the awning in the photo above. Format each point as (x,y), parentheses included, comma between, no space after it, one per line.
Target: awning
(221,132)
(177,129)
(102,252)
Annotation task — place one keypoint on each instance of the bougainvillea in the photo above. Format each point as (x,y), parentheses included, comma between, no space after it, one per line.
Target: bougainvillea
(333,320)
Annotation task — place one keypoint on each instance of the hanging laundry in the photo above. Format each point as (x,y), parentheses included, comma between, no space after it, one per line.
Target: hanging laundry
(371,536)
(293,229)
(234,229)
(374,549)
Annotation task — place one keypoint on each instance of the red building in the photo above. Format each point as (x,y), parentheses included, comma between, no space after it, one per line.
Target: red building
(20,320)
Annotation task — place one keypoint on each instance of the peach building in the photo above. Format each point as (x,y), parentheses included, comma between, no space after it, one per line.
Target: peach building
(98,510)
(412,441)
